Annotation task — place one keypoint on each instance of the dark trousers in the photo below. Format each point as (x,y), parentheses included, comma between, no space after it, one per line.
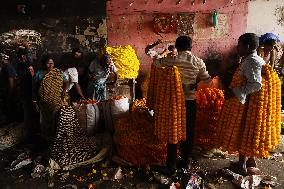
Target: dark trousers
(186,146)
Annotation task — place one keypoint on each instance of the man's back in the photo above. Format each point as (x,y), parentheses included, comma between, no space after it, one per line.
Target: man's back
(190,67)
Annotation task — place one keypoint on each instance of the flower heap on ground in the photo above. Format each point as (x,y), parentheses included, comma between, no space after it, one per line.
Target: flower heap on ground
(252,129)
(134,137)
(126,61)
(209,104)
(166,98)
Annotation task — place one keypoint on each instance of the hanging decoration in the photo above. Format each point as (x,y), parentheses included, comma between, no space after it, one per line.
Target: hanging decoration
(204,1)
(178,2)
(185,24)
(215,18)
(160,1)
(131,3)
(192,2)
(164,24)
(146,1)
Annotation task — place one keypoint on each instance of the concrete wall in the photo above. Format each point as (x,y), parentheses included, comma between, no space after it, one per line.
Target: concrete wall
(133,25)
(265,16)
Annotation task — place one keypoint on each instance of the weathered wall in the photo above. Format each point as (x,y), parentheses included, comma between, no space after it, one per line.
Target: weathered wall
(133,24)
(266,16)
(63,33)
(62,24)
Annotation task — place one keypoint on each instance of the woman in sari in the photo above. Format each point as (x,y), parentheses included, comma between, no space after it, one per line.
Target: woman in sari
(48,95)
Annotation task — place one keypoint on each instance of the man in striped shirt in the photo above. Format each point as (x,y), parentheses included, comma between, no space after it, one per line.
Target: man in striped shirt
(191,69)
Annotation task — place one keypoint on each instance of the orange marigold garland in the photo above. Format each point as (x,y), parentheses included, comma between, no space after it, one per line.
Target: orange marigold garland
(252,129)
(166,98)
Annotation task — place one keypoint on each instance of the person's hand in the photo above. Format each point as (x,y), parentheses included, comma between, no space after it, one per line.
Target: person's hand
(35,106)
(229,94)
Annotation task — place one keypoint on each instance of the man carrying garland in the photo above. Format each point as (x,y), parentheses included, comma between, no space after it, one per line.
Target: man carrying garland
(191,69)
(246,114)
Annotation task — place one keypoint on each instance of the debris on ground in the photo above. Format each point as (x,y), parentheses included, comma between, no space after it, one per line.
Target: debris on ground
(22,160)
(275,155)
(69,186)
(38,171)
(195,182)
(175,185)
(215,152)
(247,182)
(162,179)
(118,175)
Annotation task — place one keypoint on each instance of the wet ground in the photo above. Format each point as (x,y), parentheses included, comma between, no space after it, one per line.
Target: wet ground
(101,175)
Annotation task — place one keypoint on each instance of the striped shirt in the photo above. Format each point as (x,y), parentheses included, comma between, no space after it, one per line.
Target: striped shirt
(190,68)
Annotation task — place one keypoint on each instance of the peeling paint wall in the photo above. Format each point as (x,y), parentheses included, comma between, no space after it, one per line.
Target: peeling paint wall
(133,25)
(266,16)
(60,35)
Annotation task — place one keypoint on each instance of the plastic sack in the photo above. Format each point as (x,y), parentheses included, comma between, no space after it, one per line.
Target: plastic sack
(88,116)
(113,109)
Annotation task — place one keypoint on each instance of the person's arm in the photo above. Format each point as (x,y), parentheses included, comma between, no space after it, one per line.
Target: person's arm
(73,73)
(272,58)
(149,50)
(252,72)
(34,92)
(79,90)
(203,74)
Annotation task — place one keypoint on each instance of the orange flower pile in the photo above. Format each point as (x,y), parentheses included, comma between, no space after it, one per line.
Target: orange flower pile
(117,97)
(139,105)
(209,104)
(134,140)
(252,129)
(166,98)
(209,98)
(87,102)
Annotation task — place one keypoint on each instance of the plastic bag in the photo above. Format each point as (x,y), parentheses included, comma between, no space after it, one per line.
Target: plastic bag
(113,109)
(88,116)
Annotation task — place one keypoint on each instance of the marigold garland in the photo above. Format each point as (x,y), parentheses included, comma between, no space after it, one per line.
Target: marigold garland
(166,98)
(252,129)
(126,61)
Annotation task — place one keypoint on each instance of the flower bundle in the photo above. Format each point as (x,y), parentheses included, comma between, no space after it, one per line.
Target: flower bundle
(134,140)
(166,98)
(209,104)
(126,61)
(252,129)
(139,105)
(89,101)
(210,98)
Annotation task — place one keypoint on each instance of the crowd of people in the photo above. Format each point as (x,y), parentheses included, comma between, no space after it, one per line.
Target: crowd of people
(43,89)
(37,89)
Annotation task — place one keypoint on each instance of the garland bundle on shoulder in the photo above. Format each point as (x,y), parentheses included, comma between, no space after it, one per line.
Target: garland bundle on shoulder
(209,105)
(134,138)
(126,61)
(166,98)
(252,129)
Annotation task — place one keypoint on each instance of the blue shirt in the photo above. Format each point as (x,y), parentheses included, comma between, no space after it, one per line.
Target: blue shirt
(251,69)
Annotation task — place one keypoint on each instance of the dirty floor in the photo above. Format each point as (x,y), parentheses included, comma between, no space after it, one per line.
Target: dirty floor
(101,175)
